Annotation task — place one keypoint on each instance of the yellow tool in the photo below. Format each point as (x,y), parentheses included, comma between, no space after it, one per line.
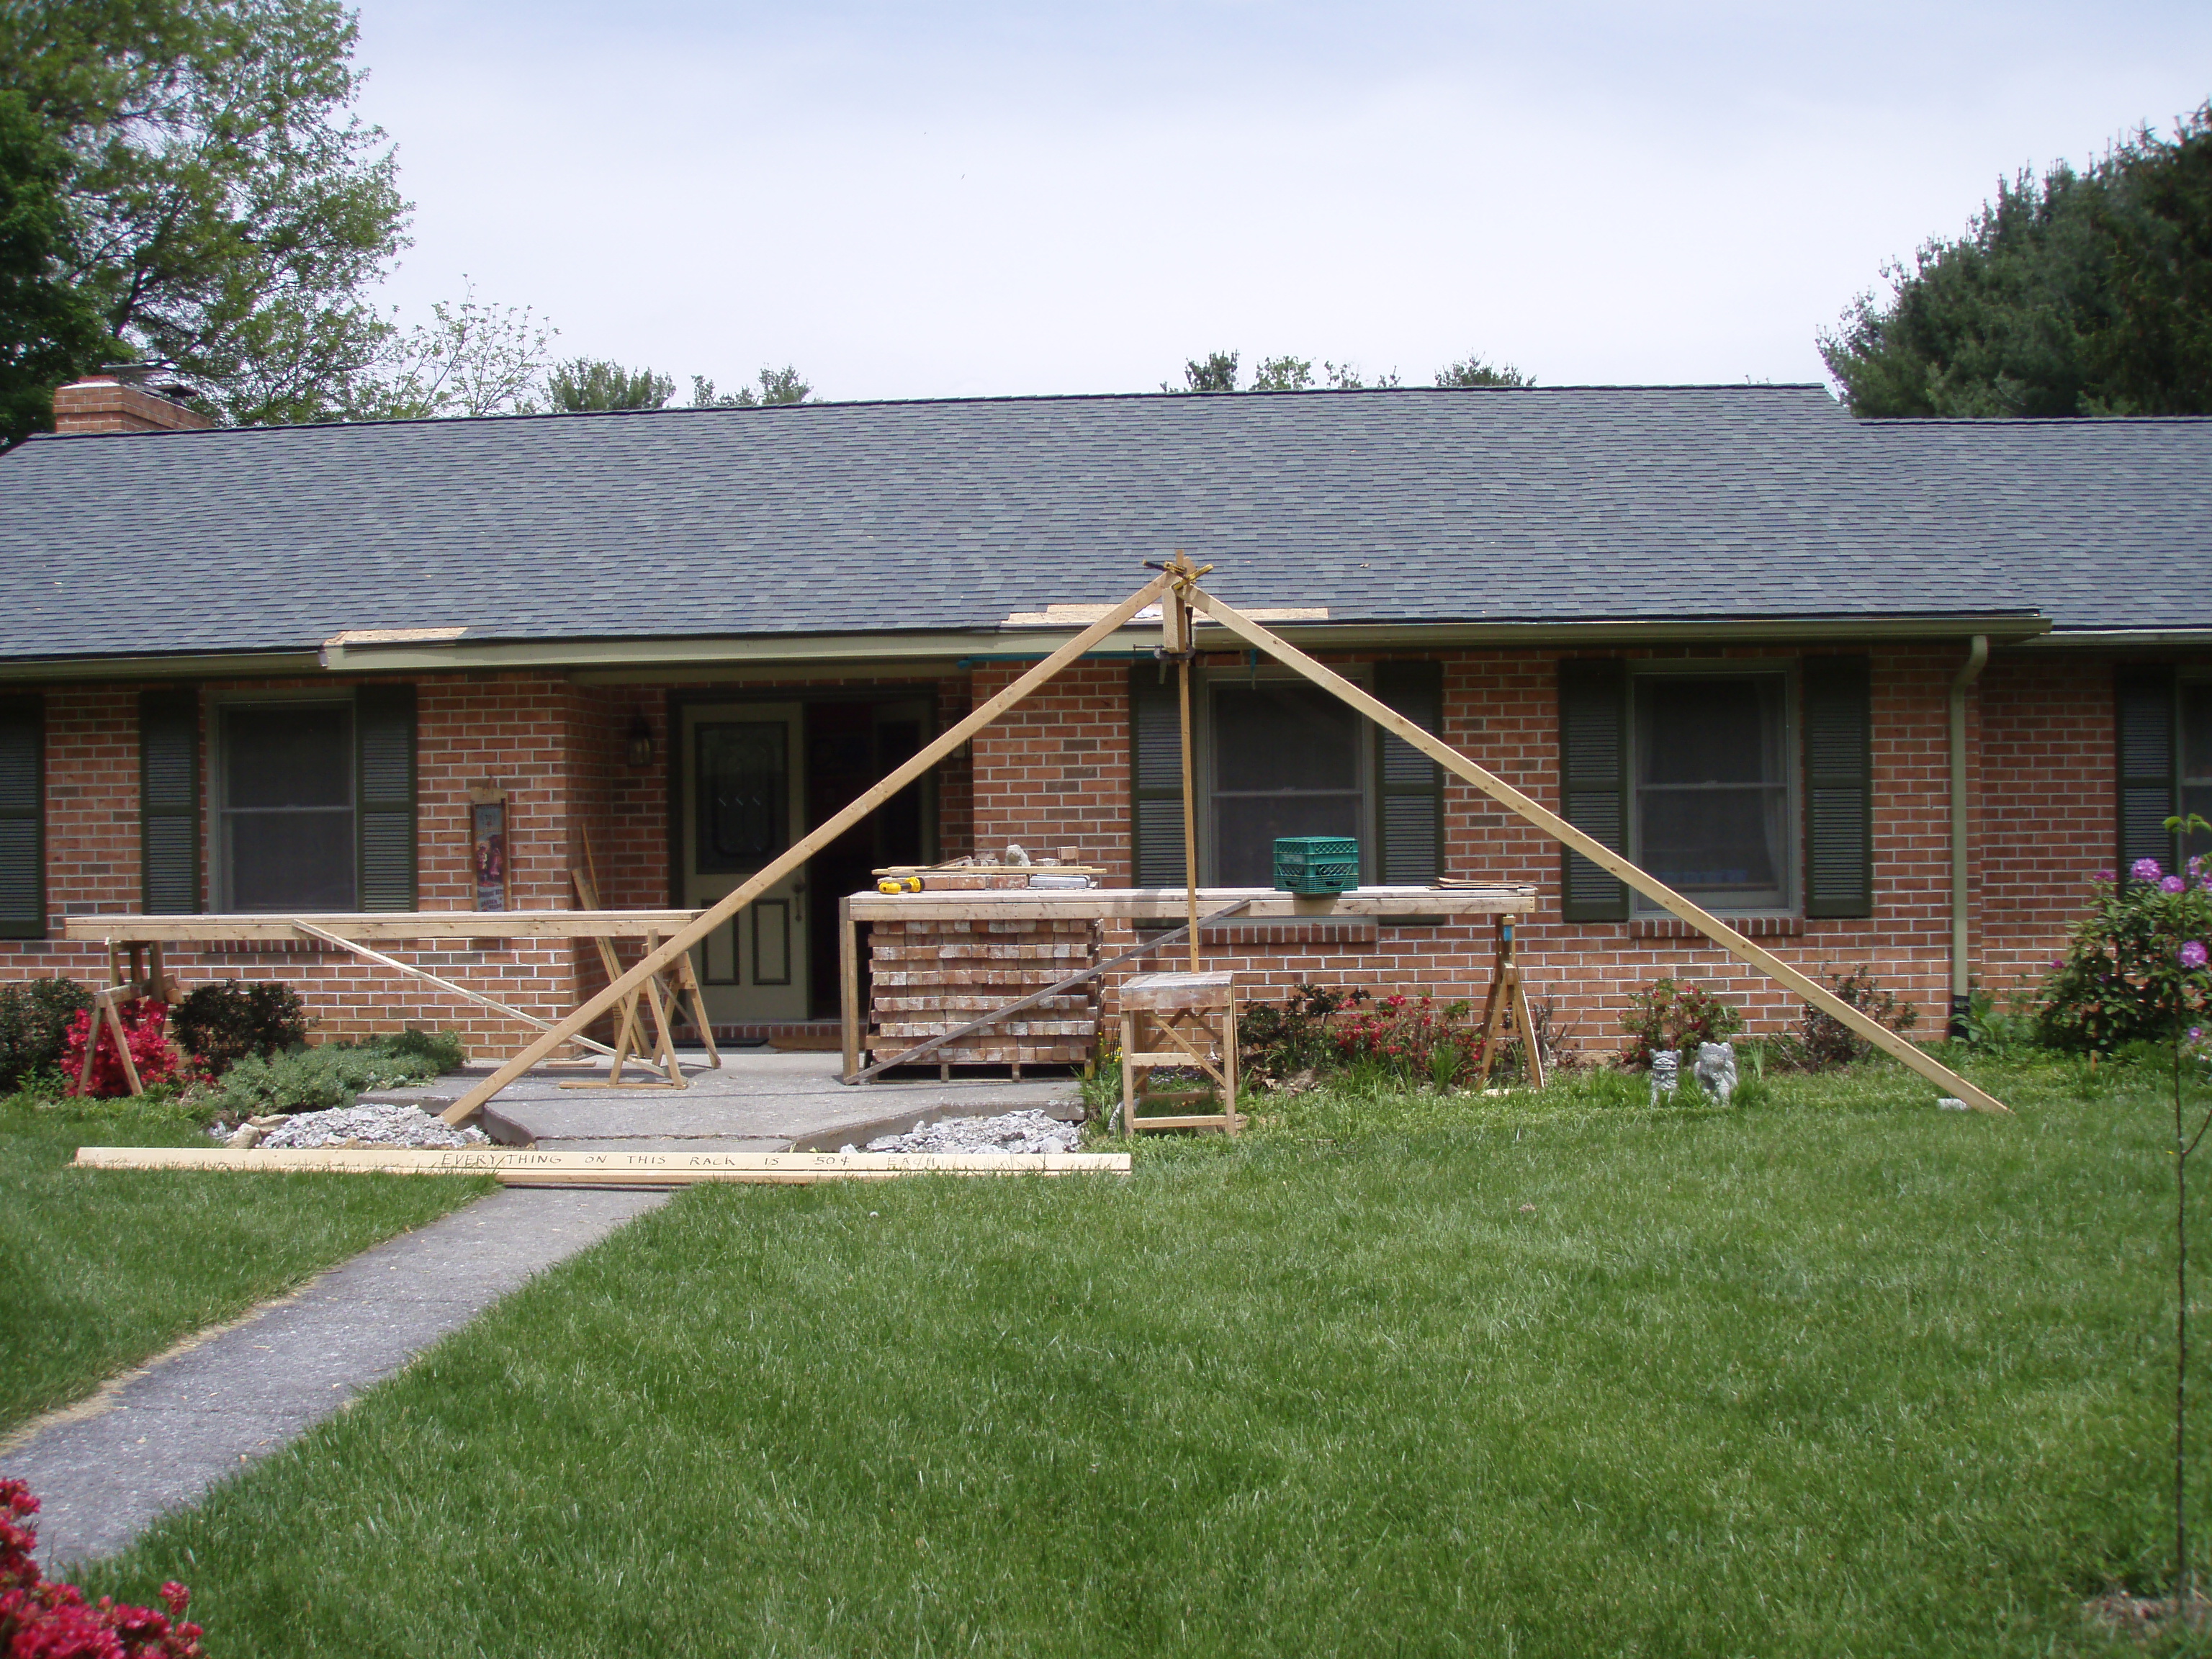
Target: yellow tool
(899,884)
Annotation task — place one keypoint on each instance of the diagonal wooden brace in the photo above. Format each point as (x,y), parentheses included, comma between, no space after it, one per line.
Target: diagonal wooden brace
(1597,853)
(794,856)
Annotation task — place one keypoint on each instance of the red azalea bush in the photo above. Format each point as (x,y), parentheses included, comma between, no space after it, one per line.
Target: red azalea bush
(40,1620)
(157,1058)
(1412,1036)
(1677,1015)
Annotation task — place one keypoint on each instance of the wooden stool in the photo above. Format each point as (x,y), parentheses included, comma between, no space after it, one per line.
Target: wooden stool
(1195,1017)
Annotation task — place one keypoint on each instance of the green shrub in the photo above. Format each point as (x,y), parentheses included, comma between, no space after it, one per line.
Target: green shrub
(1275,1044)
(334,1075)
(224,1021)
(1823,1042)
(2117,982)
(34,1019)
(1678,1015)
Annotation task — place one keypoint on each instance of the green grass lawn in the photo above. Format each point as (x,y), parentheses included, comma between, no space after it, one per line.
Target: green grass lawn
(104,1268)
(1833,1373)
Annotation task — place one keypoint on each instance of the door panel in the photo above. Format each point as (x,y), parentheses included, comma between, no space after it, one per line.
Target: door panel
(741,804)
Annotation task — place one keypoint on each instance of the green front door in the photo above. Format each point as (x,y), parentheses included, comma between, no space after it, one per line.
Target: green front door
(742,802)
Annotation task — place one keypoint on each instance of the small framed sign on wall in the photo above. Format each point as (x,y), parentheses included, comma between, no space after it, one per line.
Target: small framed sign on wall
(489,847)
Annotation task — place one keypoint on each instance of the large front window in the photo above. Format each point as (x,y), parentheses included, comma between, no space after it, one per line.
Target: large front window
(1287,761)
(286,808)
(2197,759)
(1711,773)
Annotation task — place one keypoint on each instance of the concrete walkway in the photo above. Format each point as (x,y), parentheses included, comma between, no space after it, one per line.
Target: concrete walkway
(759,1101)
(157,1438)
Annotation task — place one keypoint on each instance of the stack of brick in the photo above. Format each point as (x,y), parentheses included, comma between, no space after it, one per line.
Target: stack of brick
(932,977)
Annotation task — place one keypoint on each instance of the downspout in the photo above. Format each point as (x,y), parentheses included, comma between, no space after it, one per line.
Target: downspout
(1978,657)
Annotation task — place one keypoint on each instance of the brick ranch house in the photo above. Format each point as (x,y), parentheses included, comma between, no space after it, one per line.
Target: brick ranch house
(1730,630)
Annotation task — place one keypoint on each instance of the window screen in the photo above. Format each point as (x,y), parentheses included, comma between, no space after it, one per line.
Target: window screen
(2196,760)
(287,806)
(1712,792)
(1285,762)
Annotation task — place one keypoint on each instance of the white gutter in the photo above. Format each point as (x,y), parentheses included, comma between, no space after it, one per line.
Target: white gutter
(1978,657)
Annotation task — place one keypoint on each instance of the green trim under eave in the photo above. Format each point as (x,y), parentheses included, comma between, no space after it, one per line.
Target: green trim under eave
(242,665)
(608,658)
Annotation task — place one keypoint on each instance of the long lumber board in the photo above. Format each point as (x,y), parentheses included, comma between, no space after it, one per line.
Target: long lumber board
(1604,857)
(384,926)
(516,1167)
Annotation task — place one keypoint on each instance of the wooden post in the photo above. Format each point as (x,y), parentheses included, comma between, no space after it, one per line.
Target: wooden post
(798,852)
(848,985)
(1598,854)
(1178,612)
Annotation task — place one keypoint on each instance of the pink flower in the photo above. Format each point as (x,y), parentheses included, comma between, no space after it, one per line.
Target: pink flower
(2193,955)
(2145,870)
(2172,884)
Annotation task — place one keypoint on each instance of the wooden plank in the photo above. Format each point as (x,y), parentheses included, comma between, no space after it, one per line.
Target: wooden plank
(378,926)
(516,1167)
(1089,973)
(1598,854)
(794,857)
(357,949)
(1165,904)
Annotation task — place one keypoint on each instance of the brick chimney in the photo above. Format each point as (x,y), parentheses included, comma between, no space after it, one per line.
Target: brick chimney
(119,400)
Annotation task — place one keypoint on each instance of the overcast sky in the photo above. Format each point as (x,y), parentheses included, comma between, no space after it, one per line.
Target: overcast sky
(944,200)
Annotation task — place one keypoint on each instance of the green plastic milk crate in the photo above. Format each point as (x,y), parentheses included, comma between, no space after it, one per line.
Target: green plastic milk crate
(1316,863)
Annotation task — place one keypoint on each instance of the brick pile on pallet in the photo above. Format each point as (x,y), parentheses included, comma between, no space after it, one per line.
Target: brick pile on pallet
(929,977)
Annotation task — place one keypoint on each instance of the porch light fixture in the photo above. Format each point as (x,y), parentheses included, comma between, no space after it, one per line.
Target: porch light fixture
(637,748)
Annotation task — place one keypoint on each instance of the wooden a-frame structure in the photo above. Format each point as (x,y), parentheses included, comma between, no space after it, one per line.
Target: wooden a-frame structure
(1177,586)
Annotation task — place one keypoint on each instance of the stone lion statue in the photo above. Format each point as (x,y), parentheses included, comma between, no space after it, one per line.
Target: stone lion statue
(1666,1071)
(1715,1070)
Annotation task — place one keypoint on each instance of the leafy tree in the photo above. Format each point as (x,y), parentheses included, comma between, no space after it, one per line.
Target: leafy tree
(1217,372)
(2077,293)
(777,386)
(1474,370)
(470,359)
(1343,377)
(586,385)
(50,329)
(230,208)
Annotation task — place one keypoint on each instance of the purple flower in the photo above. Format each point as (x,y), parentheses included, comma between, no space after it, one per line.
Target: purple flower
(2193,955)
(2102,875)
(2172,884)
(2145,870)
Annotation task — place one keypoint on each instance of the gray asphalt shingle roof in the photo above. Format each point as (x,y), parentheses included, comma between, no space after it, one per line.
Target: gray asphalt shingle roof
(1394,506)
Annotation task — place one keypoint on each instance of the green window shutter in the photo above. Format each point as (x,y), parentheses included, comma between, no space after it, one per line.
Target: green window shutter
(23,818)
(169,802)
(1839,787)
(1593,783)
(384,741)
(1409,785)
(1154,778)
(2143,700)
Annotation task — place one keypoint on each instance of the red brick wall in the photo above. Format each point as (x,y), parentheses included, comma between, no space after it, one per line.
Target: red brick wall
(2044,808)
(1055,773)
(509,728)
(1057,770)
